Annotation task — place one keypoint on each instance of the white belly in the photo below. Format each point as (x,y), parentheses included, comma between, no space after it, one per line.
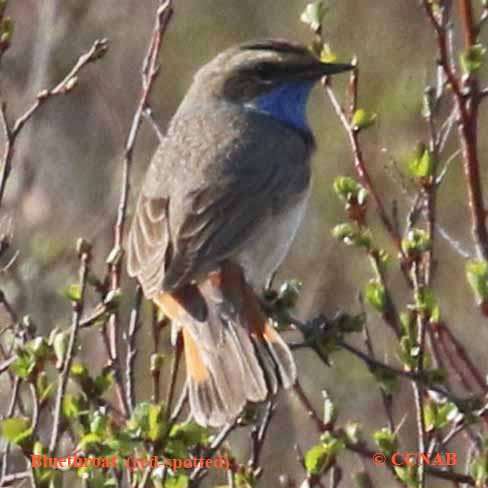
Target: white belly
(270,244)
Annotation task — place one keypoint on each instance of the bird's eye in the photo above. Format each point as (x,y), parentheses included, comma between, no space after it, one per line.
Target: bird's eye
(264,71)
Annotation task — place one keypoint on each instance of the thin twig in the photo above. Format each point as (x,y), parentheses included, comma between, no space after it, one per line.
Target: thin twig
(258,434)
(134,324)
(180,404)
(173,374)
(10,412)
(150,70)
(198,473)
(309,408)
(148,115)
(462,355)
(385,396)
(98,49)
(70,350)
(360,165)
(466,97)
(410,375)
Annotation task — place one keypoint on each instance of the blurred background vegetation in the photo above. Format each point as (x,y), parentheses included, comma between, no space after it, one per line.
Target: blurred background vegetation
(67,174)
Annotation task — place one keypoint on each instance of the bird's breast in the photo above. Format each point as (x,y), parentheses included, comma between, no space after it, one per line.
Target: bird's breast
(271,242)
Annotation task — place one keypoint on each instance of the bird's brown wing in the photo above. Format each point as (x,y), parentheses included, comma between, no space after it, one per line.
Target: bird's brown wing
(198,206)
(149,246)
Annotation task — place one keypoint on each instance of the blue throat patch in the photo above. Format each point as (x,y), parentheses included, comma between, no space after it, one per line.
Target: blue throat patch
(287,103)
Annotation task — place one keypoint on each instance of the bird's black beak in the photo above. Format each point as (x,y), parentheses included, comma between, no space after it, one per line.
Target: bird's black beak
(325,69)
(319,69)
(315,71)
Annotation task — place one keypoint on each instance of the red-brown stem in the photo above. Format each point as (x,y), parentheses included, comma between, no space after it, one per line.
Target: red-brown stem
(307,405)
(452,361)
(466,97)
(469,28)
(360,166)
(463,356)
(150,70)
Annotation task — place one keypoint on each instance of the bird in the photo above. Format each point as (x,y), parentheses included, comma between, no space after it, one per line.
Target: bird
(220,204)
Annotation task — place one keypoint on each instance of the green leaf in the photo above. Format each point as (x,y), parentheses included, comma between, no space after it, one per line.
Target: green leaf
(176,481)
(79,370)
(289,293)
(244,480)
(351,235)
(330,410)
(43,387)
(82,245)
(353,432)
(89,442)
(326,54)
(472,59)
(479,469)
(363,119)
(437,416)
(113,297)
(6,31)
(156,422)
(334,445)
(138,423)
(407,325)
(386,440)
(386,378)
(416,242)
(24,365)
(348,189)
(74,406)
(72,292)
(375,294)
(477,275)
(190,433)
(408,474)
(428,102)
(249,415)
(29,357)
(428,304)
(98,423)
(38,348)
(147,421)
(60,344)
(15,429)
(351,323)
(104,381)
(3,6)
(435,376)
(406,352)
(156,361)
(314,14)
(362,479)
(422,165)
(317,459)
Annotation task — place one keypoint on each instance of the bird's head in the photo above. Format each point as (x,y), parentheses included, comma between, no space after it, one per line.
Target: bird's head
(253,69)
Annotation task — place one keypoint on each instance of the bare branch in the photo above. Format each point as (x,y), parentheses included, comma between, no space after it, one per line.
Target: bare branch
(70,350)
(150,69)
(131,347)
(65,86)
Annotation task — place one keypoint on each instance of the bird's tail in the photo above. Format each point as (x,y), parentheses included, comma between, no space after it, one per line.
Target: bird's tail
(232,352)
